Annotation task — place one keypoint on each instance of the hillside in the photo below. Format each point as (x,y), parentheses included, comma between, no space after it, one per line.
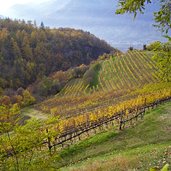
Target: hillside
(120,72)
(28,52)
(116,78)
(144,146)
(70,101)
(83,119)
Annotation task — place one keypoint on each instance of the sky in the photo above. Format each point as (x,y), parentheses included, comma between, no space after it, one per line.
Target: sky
(95,16)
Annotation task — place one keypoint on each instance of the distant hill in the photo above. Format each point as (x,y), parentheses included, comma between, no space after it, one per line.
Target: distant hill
(28,52)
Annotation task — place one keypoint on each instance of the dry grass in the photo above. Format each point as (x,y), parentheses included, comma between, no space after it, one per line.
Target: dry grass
(120,163)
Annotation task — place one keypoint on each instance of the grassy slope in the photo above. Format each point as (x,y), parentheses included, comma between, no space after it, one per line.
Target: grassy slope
(147,144)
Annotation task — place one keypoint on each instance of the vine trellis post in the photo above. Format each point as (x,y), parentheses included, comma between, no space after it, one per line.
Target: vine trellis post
(122,118)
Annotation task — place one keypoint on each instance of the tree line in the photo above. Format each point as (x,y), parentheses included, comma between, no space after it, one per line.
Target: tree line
(28,52)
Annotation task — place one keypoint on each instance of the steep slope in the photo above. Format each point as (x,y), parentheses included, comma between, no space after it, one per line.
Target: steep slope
(132,70)
(122,72)
(142,147)
(28,52)
(115,78)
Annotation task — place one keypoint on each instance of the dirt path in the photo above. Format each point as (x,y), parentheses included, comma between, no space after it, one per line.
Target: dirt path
(33,113)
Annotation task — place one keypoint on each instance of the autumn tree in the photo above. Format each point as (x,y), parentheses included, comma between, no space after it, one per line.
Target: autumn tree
(19,143)
(163,61)
(28,99)
(28,53)
(8,121)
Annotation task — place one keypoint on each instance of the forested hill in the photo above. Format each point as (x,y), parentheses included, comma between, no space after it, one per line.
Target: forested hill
(28,52)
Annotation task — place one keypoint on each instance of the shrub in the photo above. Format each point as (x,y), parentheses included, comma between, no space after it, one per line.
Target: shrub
(91,76)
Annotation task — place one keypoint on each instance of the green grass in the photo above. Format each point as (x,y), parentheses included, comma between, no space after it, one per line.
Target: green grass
(91,76)
(141,147)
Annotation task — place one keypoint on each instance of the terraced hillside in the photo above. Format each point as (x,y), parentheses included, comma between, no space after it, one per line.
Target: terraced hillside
(117,77)
(75,87)
(127,71)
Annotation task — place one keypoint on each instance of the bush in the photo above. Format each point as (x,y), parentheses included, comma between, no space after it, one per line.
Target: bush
(28,99)
(155,46)
(91,76)
(78,72)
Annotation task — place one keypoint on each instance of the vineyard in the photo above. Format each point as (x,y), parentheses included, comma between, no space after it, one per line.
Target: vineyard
(67,132)
(128,71)
(127,85)
(118,114)
(117,78)
(73,88)
(141,145)
(70,101)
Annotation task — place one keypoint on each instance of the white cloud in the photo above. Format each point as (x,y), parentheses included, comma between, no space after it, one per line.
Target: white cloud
(7,4)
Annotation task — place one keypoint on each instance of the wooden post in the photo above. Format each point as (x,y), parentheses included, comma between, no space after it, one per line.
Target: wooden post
(145,102)
(124,123)
(71,139)
(49,142)
(143,113)
(87,133)
(121,122)
(54,148)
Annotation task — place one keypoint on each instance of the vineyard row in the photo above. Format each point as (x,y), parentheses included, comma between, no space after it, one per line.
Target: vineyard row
(120,120)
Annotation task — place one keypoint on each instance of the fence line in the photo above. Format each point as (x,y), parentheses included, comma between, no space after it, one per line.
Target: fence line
(120,118)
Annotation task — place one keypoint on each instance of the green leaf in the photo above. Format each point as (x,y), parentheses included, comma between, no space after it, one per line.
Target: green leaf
(167,37)
(165,168)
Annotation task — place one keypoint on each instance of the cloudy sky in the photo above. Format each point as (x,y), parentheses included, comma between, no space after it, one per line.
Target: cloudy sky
(96,16)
